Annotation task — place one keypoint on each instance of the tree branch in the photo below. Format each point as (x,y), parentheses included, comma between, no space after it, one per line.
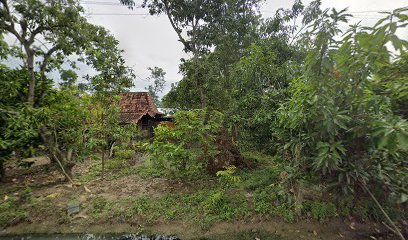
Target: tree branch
(178,31)
(47,57)
(34,33)
(10,28)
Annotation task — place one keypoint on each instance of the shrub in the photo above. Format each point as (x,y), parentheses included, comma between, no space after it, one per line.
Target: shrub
(125,153)
(184,151)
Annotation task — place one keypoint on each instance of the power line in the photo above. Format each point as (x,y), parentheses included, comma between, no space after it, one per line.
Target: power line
(101,3)
(107,4)
(376,11)
(367,11)
(119,14)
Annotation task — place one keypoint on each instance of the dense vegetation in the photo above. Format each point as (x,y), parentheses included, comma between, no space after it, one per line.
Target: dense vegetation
(281,110)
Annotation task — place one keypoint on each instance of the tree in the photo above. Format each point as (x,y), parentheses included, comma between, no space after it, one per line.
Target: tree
(113,77)
(260,81)
(157,75)
(64,127)
(201,26)
(340,120)
(17,121)
(46,31)
(69,78)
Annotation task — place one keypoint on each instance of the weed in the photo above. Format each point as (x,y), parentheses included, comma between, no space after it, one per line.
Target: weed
(26,194)
(345,205)
(262,201)
(286,211)
(260,179)
(207,221)
(140,205)
(320,211)
(124,154)
(10,212)
(258,157)
(228,176)
(93,173)
(100,204)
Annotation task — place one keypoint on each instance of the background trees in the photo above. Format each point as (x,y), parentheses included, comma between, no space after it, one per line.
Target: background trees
(49,34)
(330,100)
(157,75)
(226,26)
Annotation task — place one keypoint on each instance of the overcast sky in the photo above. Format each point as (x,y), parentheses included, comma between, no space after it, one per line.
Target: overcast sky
(150,41)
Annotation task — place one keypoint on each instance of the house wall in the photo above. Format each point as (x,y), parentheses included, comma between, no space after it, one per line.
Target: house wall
(146,124)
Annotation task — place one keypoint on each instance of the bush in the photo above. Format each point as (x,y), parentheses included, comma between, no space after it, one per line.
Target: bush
(125,153)
(184,151)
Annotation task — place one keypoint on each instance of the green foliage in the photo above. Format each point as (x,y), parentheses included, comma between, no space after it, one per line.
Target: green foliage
(228,175)
(100,205)
(337,121)
(218,204)
(184,151)
(320,211)
(157,74)
(259,81)
(260,179)
(57,118)
(286,211)
(263,201)
(10,212)
(140,205)
(220,23)
(364,210)
(125,154)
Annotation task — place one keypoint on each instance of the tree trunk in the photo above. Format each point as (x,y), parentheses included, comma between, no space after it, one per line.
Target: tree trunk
(298,198)
(57,155)
(203,97)
(2,171)
(31,80)
(103,164)
(68,170)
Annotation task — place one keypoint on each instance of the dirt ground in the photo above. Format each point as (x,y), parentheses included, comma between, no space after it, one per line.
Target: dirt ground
(53,186)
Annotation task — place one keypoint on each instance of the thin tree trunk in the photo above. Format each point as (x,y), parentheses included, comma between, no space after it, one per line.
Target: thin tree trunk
(2,171)
(68,173)
(203,97)
(31,81)
(103,164)
(56,154)
(394,227)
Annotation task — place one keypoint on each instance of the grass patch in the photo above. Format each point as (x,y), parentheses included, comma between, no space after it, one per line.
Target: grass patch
(320,211)
(244,235)
(11,212)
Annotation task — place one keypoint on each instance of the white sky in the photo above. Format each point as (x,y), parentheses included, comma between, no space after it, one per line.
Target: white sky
(150,41)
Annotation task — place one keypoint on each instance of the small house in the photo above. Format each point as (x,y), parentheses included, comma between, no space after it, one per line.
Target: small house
(139,108)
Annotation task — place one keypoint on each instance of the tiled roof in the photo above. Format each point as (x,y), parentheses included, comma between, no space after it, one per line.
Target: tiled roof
(130,117)
(134,105)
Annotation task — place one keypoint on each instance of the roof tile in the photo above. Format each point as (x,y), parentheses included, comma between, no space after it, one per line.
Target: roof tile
(134,105)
